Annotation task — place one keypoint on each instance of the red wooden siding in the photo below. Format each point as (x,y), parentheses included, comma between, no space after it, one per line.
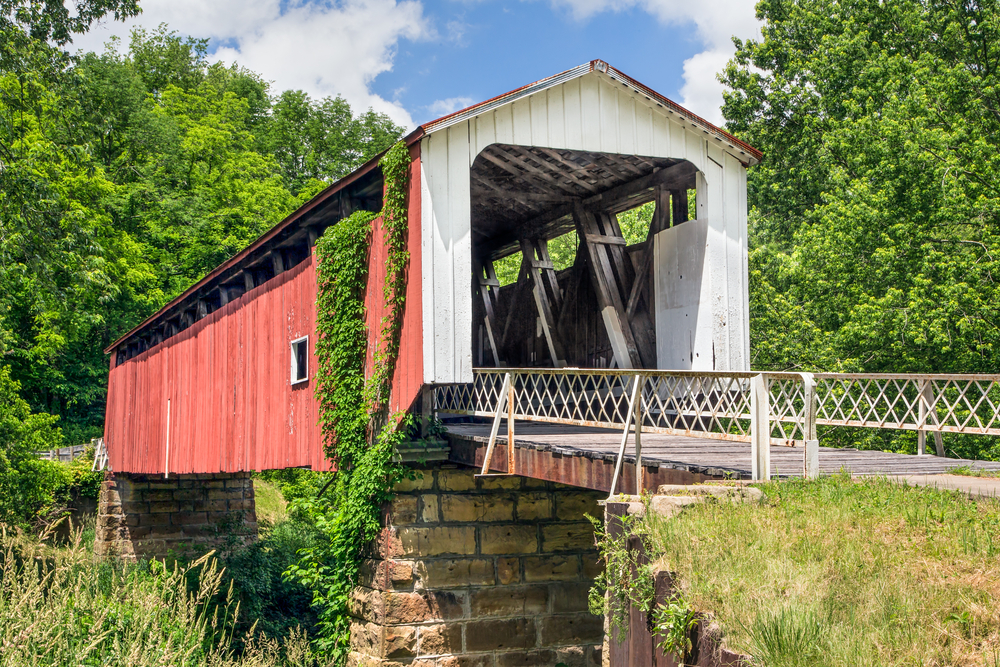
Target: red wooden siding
(227,377)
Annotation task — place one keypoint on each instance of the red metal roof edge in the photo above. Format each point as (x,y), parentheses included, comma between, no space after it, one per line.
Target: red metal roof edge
(750,150)
(296,215)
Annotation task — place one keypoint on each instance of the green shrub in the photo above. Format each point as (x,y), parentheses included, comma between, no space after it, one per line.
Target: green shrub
(270,603)
(28,485)
(60,607)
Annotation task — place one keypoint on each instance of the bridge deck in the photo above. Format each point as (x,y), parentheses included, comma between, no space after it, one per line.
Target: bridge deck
(585,456)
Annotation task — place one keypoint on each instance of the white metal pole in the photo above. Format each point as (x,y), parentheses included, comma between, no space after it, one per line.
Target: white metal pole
(501,402)
(760,429)
(621,449)
(810,458)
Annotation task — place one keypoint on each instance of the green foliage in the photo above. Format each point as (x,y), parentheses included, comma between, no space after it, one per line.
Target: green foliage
(673,622)
(60,607)
(126,177)
(841,571)
(874,215)
(28,485)
(624,582)
(359,437)
(270,603)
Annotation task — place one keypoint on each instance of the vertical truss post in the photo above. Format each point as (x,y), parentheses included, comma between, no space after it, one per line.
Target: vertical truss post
(501,403)
(810,459)
(639,471)
(760,428)
(510,426)
(621,449)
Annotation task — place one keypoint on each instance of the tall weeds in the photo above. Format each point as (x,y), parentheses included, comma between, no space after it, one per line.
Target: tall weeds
(58,606)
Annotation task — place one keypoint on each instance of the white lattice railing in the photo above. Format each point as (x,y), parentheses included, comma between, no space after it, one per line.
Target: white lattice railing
(771,408)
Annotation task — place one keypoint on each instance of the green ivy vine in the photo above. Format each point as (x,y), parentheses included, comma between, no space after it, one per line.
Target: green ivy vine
(359,436)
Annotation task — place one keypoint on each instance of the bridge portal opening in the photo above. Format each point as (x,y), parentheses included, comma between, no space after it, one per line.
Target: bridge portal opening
(563,250)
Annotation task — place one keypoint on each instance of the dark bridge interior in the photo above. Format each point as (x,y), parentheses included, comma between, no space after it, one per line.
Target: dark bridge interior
(597,312)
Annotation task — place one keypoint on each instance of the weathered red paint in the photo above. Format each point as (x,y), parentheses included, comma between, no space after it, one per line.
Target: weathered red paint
(227,378)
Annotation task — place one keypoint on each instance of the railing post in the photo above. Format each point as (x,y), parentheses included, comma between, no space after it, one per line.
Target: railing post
(621,450)
(926,413)
(639,472)
(510,426)
(810,460)
(501,402)
(760,428)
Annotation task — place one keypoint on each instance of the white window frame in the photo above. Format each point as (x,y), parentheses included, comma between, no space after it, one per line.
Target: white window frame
(293,366)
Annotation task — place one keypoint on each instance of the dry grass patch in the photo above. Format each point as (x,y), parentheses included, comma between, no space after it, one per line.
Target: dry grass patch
(838,572)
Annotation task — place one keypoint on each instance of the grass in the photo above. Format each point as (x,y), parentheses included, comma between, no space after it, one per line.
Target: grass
(272,508)
(838,572)
(60,607)
(969,471)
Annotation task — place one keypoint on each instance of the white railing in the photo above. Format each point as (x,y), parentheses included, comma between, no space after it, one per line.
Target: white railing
(762,408)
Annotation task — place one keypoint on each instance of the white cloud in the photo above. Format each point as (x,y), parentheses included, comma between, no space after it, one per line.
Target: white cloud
(715,21)
(323,48)
(440,108)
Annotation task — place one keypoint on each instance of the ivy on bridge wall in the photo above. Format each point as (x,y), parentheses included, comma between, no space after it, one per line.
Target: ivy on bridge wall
(359,436)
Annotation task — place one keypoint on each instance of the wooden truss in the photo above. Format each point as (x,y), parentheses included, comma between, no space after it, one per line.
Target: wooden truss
(602,302)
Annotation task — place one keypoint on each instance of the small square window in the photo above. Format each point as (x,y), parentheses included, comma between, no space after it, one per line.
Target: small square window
(300,360)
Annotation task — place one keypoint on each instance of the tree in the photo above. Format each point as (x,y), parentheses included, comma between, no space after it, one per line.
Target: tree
(874,216)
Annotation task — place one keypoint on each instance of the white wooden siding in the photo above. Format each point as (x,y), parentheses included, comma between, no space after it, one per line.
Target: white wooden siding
(588,113)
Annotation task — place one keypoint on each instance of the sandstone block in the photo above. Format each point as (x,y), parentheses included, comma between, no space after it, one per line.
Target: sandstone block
(429,508)
(437,540)
(447,605)
(366,638)
(455,573)
(160,495)
(551,568)
(438,639)
(509,601)
(385,545)
(400,641)
(500,634)
(461,479)
(423,481)
(476,508)
(592,564)
(567,537)
(508,539)
(534,506)
(169,506)
(572,629)
(225,494)
(478,660)
(403,510)
(573,505)
(152,519)
(570,597)
(188,494)
(508,570)
(572,656)
(405,607)
(386,574)
(507,482)
(527,658)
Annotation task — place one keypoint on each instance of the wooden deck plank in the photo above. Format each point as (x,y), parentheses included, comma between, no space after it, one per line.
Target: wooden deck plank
(703,455)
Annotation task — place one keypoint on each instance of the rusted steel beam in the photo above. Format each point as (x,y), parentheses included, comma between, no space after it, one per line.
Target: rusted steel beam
(588,472)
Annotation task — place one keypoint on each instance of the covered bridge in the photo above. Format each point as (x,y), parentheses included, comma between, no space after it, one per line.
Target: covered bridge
(208,383)
(219,382)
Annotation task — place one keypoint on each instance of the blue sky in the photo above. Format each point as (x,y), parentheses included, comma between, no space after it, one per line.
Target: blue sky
(417,60)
